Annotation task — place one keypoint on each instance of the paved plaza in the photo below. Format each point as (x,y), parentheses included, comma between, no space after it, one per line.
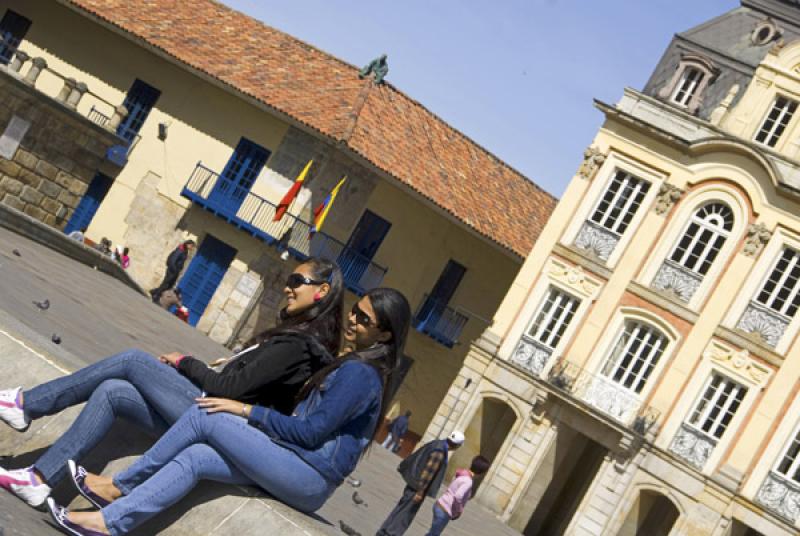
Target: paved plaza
(95,315)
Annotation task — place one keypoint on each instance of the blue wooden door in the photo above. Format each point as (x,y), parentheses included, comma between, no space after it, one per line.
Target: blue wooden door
(238,177)
(139,101)
(13,28)
(355,258)
(89,203)
(204,275)
(439,298)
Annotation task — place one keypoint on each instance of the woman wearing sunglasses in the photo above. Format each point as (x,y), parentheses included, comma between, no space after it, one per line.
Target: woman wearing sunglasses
(299,459)
(153,392)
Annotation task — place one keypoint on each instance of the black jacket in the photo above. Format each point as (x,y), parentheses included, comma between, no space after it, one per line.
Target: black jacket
(411,468)
(176,259)
(270,375)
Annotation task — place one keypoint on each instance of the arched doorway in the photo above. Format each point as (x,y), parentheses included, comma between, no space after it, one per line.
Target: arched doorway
(651,515)
(485,435)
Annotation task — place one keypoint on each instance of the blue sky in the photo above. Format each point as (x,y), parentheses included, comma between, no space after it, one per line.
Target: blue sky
(517,76)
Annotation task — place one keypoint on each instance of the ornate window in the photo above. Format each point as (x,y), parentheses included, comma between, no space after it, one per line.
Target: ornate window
(618,204)
(775,304)
(780,491)
(687,85)
(701,242)
(635,355)
(711,416)
(549,324)
(765,32)
(776,121)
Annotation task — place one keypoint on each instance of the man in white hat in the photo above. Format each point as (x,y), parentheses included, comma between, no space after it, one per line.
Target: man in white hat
(423,472)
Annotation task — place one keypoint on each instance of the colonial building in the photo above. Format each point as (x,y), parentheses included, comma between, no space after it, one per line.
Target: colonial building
(642,375)
(210,115)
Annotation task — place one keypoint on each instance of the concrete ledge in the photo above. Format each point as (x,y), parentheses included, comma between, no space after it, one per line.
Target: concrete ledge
(20,223)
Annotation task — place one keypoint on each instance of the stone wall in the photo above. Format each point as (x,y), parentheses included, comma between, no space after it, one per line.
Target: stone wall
(57,157)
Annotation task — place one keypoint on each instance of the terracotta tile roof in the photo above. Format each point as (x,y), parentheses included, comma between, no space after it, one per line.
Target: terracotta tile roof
(380,123)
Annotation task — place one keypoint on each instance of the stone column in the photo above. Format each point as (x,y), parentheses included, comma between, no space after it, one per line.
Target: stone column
(19,60)
(120,113)
(66,90)
(76,95)
(37,66)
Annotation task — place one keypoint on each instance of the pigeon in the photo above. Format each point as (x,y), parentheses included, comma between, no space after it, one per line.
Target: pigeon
(55,338)
(17,253)
(358,500)
(43,306)
(347,529)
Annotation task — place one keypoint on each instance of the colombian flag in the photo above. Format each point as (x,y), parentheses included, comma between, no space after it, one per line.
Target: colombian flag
(321,212)
(283,206)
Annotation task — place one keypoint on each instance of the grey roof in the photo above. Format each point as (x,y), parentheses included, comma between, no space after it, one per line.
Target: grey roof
(725,40)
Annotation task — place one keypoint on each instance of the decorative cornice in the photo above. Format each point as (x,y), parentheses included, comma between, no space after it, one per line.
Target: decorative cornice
(573,277)
(738,362)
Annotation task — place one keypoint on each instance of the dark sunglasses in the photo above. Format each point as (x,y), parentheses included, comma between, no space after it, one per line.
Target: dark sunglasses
(362,318)
(296,280)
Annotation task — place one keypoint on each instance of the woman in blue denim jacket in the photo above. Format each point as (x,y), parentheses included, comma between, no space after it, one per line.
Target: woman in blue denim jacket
(300,459)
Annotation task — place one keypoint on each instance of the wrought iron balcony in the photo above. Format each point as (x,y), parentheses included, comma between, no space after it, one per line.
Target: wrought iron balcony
(255,216)
(439,321)
(604,395)
(781,495)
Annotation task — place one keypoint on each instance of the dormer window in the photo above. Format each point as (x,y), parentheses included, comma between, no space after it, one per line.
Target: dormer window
(765,32)
(776,121)
(686,87)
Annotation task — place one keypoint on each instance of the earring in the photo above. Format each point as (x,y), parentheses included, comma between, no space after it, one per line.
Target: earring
(317,297)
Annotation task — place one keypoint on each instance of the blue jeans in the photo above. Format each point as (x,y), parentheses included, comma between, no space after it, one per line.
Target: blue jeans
(220,447)
(133,385)
(440,520)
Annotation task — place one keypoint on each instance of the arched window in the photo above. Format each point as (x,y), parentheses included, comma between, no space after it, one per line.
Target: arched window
(689,81)
(704,237)
(635,355)
(682,272)
(687,86)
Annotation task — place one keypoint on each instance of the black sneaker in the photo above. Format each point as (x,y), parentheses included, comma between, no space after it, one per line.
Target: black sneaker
(59,515)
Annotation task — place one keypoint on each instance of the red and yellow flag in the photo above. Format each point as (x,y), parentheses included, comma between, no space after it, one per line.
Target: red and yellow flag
(283,206)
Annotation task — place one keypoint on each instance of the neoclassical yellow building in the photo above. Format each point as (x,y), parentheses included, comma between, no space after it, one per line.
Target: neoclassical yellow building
(642,375)
(215,115)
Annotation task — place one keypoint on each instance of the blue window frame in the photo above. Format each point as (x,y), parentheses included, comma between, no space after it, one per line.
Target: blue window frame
(90,202)
(237,178)
(434,317)
(13,28)
(204,274)
(139,101)
(356,257)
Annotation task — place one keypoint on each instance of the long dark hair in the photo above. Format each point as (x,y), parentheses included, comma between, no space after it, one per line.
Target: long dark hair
(393,314)
(323,320)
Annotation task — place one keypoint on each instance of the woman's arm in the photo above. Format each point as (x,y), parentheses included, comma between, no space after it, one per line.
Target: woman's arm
(346,395)
(273,362)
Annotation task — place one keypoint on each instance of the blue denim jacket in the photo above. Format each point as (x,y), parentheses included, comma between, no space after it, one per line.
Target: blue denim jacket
(333,425)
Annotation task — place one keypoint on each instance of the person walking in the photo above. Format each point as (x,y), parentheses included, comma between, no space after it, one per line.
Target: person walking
(299,459)
(397,429)
(423,473)
(451,504)
(175,262)
(153,392)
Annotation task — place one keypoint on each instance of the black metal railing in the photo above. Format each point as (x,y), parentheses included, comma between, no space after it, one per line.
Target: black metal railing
(254,214)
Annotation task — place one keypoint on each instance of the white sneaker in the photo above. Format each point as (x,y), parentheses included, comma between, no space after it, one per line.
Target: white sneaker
(20,482)
(10,412)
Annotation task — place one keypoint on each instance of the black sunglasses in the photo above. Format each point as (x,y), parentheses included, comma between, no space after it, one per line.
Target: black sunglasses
(362,318)
(296,280)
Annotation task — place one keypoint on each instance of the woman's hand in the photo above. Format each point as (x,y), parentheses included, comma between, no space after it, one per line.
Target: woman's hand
(171,358)
(216,405)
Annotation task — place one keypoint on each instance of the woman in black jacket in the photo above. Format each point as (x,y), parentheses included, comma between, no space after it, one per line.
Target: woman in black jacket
(154,392)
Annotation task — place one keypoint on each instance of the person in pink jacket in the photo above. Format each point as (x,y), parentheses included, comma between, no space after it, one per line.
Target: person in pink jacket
(452,502)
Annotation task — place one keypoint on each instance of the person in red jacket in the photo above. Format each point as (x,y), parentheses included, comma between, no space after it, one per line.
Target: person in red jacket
(451,504)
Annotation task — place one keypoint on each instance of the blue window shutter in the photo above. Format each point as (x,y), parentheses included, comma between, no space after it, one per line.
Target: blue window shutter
(238,177)
(204,274)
